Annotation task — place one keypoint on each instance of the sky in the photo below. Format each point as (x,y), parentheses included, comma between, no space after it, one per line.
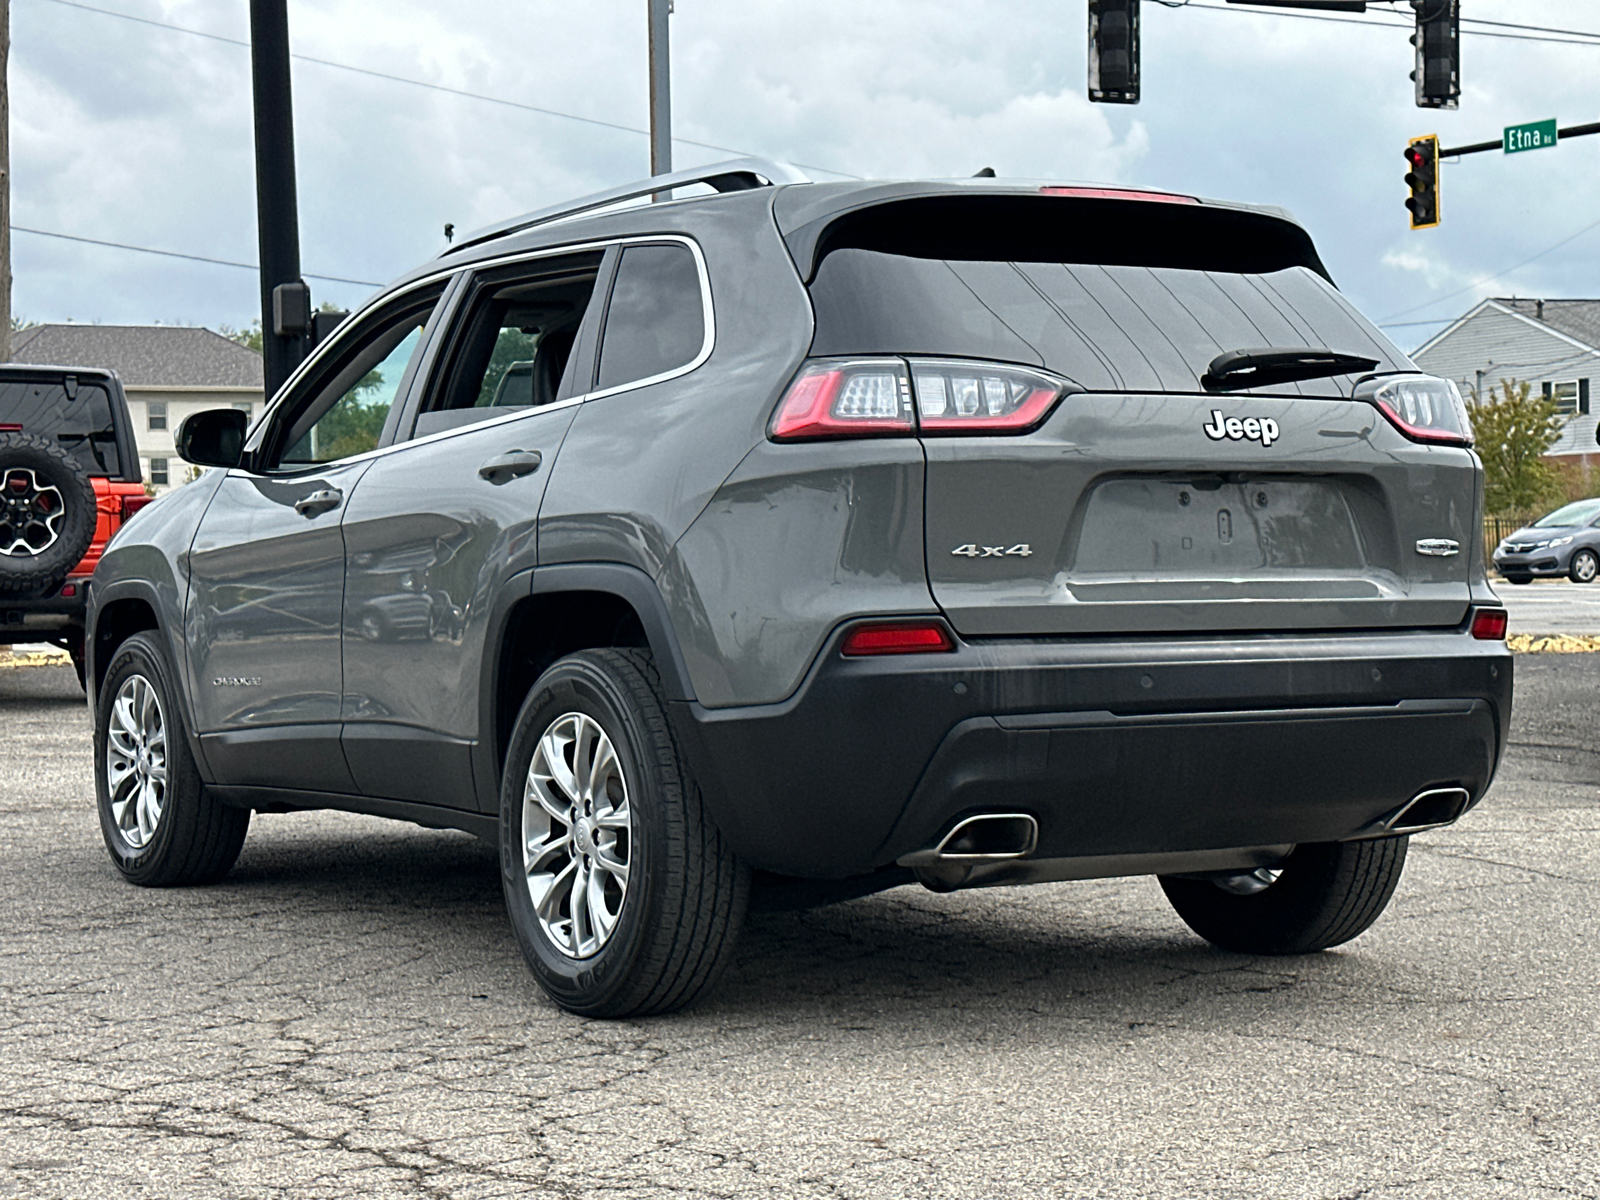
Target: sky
(130,132)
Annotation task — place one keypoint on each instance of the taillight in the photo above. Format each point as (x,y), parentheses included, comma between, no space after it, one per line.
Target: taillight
(867,397)
(132,504)
(8,427)
(861,397)
(897,637)
(1423,407)
(955,396)
(1489,624)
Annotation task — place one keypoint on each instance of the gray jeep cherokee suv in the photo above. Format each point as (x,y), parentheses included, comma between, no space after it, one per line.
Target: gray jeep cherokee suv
(970,533)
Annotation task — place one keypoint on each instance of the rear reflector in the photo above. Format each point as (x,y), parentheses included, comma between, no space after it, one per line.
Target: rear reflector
(898,637)
(9,428)
(1423,407)
(1094,193)
(1489,624)
(132,504)
(70,589)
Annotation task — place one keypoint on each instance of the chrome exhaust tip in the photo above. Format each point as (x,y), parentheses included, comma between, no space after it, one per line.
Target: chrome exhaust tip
(1429,809)
(972,843)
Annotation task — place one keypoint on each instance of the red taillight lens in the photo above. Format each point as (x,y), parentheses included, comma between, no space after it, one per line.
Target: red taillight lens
(1489,624)
(6,427)
(897,637)
(957,396)
(846,398)
(132,504)
(1094,193)
(1424,408)
(834,398)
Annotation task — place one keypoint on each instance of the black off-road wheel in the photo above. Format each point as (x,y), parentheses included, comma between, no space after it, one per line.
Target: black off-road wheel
(1325,895)
(625,898)
(47,513)
(161,827)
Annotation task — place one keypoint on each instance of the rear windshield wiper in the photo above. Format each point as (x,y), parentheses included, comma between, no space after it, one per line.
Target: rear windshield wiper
(1239,369)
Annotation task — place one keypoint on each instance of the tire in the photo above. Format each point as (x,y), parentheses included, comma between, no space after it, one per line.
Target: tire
(657,941)
(1519,580)
(47,513)
(1325,895)
(191,838)
(1583,568)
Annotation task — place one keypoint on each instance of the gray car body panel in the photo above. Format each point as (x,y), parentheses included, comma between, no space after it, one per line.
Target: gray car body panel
(745,560)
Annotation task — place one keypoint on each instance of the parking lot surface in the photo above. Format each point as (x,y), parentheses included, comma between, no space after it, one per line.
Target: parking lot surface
(347,1015)
(1551,606)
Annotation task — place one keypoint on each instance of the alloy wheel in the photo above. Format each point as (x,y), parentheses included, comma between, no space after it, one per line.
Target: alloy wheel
(30,512)
(1585,566)
(136,761)
(577,832)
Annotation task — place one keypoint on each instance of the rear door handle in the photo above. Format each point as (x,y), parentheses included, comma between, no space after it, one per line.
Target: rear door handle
(512,465)
(318,502)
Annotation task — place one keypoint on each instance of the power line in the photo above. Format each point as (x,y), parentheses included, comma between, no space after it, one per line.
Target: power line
(220,262)
(434,87)
(1574,37)
(1491,278)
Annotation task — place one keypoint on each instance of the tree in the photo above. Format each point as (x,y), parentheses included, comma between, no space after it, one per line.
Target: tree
(250,337)
(1515,426)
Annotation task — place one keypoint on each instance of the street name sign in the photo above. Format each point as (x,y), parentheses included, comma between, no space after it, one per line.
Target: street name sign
(1535,135)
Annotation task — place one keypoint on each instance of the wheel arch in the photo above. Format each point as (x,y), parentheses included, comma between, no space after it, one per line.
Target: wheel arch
(547,612)
(119,611)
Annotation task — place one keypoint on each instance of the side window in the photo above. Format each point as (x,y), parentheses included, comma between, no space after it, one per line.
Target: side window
(513,347)
(654,323)
(341,411)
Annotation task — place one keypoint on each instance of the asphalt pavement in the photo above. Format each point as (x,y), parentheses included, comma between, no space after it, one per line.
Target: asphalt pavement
(347,1015)
(1551,606)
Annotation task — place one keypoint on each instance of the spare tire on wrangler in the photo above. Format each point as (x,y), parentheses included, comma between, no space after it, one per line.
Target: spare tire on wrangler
(47,513)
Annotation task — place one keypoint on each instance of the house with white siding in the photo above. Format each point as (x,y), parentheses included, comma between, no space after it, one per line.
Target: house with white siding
(1552,344)
(167,371)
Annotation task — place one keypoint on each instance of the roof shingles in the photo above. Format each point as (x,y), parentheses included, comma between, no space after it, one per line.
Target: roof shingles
(143,355)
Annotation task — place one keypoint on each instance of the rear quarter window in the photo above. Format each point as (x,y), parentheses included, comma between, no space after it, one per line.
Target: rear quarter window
(79,420)
(655,322)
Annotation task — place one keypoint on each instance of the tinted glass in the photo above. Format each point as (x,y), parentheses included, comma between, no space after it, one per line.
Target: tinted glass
(1107,328)
(355,421)
(654,323)
(80,424)
(1580,512)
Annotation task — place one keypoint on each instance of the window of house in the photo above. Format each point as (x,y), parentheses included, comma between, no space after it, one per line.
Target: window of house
(654,323)
(1565,395)
(158,470)
(157,412)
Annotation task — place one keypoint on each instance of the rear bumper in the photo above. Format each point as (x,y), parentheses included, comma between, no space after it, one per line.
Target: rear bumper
(46,618)
(1115,747)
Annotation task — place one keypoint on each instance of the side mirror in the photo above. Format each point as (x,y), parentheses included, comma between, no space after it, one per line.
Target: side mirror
(214,438)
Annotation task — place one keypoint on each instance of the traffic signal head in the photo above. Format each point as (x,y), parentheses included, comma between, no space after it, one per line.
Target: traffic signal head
(1422,155)
(1114,51)
(1438,43)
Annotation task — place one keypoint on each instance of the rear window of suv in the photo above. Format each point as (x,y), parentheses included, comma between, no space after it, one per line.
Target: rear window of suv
(1086,297)
(78,419)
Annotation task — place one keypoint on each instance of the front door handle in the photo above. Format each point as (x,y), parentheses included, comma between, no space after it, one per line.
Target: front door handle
(512,465)
(318,502)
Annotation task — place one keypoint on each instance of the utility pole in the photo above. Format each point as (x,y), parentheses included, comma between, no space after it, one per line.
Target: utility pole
(5,181)
(283,341)
(660,92)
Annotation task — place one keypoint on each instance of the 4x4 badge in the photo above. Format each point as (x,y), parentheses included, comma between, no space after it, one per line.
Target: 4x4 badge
(971,550)
(1250,429)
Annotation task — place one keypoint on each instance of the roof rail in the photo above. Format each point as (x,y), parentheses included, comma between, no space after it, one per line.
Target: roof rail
(735,175)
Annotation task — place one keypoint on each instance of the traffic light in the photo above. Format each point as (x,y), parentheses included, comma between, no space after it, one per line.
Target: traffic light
(1423,180)
(1438,43)
(1114,51)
